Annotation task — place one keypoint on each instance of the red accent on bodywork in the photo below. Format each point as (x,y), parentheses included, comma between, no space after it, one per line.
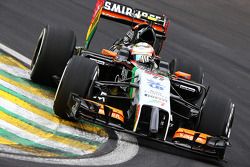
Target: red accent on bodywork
(130,19)
(166,26)
(98,6)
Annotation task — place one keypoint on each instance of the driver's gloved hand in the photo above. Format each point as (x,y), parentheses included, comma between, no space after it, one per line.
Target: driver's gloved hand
(144,59)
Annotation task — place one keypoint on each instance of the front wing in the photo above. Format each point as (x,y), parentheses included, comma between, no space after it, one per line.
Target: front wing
(113,118)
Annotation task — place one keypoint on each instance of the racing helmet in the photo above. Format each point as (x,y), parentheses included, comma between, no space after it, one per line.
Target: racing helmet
(142,49)
(144,33)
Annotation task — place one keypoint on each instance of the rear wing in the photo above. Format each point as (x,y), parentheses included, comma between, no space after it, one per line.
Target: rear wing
(125,14)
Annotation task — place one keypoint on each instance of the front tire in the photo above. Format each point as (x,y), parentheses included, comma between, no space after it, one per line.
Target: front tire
(217,115)
(77,78)
(54,48)
(217,118)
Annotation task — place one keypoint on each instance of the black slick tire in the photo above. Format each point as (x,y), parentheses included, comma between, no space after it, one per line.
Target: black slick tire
(217,118)
(54,48)
(77,78)
(217,115)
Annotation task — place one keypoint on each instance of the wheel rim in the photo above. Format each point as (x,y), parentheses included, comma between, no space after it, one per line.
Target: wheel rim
(60,83)
(202,78)
(230,121)
(38,49)
(94,78)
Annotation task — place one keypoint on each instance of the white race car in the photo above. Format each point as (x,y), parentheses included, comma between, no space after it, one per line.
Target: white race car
(163,101)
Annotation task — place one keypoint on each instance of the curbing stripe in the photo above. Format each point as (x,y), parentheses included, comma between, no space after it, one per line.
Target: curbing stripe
(48,126)
(27,86)
(12,75)
(123,153)
(25,96)
(87,126)
(12,62)
(25,131)
(29,143)
(7,71)
(25,149)
(15,71)
(11,149)
(52,117)
(57,140)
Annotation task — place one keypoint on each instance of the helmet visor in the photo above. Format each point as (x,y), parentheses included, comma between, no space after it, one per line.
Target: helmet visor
(137,57)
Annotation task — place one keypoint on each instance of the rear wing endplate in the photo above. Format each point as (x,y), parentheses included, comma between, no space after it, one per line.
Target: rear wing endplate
(126,14)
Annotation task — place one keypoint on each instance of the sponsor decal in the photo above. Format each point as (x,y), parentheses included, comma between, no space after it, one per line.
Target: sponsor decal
(156,97)
(157,102)
(155,84)
(154,93)
(128,11)
(187,88)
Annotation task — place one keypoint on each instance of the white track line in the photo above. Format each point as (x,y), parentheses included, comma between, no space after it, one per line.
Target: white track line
(15,54)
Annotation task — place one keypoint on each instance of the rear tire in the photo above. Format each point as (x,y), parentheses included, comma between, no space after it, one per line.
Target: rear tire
(77,77)
(188,66)
(217,115)
(54,48)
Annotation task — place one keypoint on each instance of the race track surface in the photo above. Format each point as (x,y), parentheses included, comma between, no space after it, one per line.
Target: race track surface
(215,34)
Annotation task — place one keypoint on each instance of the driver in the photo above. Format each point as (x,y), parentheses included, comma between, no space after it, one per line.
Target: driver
(142,52)
(140,33)
(138,44)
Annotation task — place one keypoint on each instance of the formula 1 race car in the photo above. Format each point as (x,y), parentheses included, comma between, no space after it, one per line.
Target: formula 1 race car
(163,101)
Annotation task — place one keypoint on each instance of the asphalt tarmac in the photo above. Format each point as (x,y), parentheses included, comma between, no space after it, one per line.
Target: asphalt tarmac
(215,34)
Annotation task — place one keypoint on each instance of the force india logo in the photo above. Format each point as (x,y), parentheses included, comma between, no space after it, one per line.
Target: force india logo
(128,11)
(155,85)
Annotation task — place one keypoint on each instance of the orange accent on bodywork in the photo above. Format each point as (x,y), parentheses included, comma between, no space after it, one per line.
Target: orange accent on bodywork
(137,112)
(131,19)
(183,75)
(182,133)
(109,53)
(116,113)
